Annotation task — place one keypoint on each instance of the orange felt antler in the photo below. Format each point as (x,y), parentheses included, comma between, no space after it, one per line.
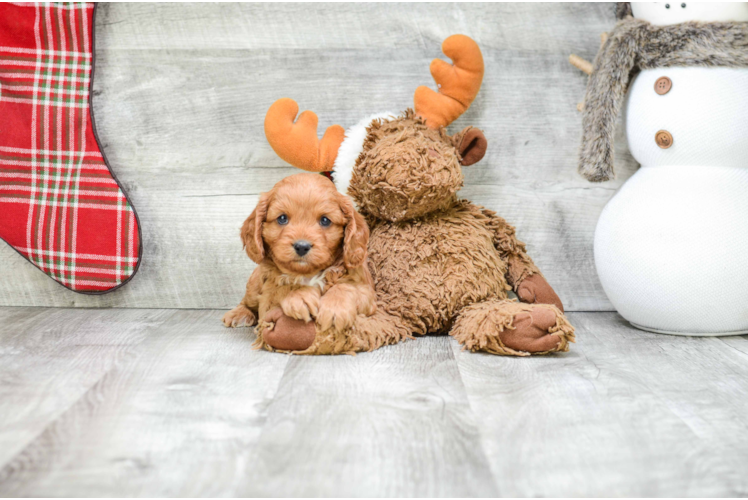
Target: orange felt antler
(458,82)
(297,143)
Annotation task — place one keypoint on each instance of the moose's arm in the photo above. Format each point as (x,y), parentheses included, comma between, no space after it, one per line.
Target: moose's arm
(522,274)
(513,251)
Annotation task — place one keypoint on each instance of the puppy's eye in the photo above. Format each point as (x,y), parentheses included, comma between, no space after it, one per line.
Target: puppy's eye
(324,221)
(282,219)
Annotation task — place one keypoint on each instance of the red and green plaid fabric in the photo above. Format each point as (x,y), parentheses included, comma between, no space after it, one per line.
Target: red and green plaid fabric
(60,206)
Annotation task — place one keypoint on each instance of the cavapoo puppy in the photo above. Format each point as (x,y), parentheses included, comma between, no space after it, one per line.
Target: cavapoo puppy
(311,247)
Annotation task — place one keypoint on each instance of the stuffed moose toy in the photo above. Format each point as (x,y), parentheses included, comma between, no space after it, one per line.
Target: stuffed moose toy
(439,264)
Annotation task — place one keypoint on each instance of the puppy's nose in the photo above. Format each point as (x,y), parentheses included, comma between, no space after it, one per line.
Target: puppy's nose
(302,247)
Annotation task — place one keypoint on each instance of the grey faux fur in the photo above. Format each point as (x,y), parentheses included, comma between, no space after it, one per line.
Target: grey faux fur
(634,45)
(623,9)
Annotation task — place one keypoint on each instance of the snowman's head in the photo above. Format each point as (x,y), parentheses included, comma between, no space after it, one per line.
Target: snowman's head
(674,12)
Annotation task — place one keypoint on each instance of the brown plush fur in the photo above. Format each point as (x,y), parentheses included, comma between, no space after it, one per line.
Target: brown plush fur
(441,264)
(544,330)
(633,45)
(331,283)
(408,170)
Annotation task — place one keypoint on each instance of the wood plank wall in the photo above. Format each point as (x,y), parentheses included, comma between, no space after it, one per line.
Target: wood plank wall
(181,92)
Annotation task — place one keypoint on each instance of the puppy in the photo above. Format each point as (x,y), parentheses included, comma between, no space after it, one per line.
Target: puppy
(311,247)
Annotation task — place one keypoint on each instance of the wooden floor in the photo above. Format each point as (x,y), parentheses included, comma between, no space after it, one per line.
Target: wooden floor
(167,402)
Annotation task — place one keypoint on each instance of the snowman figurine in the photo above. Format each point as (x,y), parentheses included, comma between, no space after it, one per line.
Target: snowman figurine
(671,247)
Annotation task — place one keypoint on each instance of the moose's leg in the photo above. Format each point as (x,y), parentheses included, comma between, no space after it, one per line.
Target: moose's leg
(279,332)
(513,328)
(297,337)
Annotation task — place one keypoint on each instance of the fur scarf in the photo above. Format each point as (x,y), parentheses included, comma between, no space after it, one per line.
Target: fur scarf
(634,45)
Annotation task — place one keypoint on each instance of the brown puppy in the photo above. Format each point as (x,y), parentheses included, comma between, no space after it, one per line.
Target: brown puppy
(311,247)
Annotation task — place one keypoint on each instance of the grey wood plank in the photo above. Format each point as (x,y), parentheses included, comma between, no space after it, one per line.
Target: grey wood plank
(182,91)
(394,422)
(176,416)
(168,403)
(50,358)
(624,413)
(364,26)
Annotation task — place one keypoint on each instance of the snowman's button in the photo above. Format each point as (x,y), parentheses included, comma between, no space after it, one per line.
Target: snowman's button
(664,139)
(663,85)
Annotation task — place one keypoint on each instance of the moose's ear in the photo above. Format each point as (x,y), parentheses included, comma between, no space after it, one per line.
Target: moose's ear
(472,145)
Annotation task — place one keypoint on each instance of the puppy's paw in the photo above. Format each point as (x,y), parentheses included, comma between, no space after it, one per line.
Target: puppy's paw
(301,305)
(239,316)
(336,311)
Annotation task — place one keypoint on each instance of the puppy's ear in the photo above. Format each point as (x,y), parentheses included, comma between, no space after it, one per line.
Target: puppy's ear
(251,232)
(356,237)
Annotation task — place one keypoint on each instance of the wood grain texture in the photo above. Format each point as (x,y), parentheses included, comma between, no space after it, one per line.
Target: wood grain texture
(181,92)
(129,402)
(394,422)
(169,403)
(52,358)
(625,413)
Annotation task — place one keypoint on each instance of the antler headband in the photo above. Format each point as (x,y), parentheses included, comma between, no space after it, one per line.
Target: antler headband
(458,83)
(297,143)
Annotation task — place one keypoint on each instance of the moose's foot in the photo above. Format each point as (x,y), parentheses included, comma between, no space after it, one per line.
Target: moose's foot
(283,333)
(513,328)
(278,332)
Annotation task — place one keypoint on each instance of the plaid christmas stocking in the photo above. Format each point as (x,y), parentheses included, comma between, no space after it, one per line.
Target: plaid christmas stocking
(60,205)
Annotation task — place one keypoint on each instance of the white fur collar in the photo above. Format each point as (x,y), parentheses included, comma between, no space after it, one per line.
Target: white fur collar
(318,280)
(350,149)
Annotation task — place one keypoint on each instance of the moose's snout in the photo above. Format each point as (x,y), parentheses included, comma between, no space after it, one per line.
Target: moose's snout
(302,247)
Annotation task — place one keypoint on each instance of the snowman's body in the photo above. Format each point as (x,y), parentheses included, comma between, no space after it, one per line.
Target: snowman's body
(671,247)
